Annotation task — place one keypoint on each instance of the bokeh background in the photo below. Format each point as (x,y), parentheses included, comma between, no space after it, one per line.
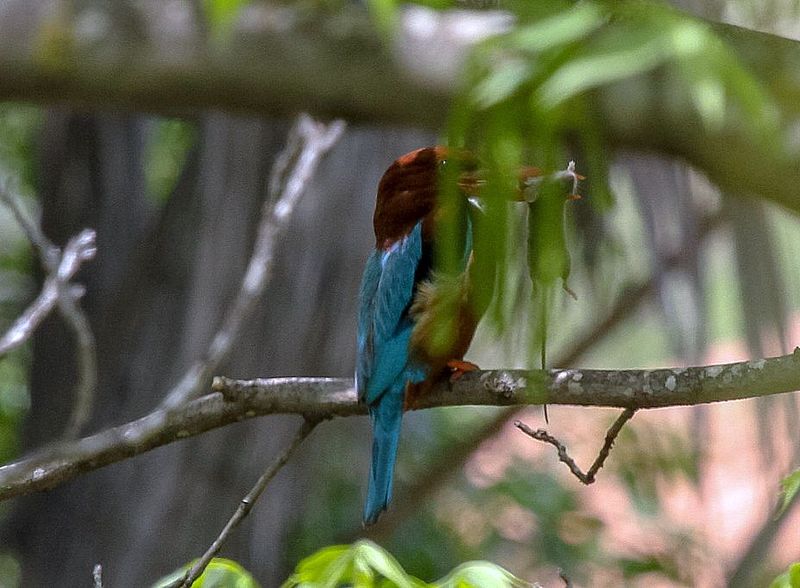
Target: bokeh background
(673,274)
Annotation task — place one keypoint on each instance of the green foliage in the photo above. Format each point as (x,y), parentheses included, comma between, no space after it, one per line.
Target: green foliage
(384,12)
(18,128)
(789,579)
(365,564)
(165,155)
(790,485)
(220,573)
(649,564)
(525,96)
(362,564)
(479,574)
(525,99)
(14,401)
(221,14)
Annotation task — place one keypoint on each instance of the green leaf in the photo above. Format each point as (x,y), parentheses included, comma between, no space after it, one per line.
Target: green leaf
(370,556)
(165,153)
(790,485)
(384,14)
(480,574)
(502,83)
(789,579)
(220,573)
(366,565)
(363,565)
(562,28)
(221,13)
(323,568)
(600,68)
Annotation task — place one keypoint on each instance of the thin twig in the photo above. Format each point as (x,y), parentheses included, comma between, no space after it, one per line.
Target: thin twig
(48,253)
(79,249)
(60,267)
(308,141)
(589,476)
(87,365)
(24,326)
(246,504)
(562,574)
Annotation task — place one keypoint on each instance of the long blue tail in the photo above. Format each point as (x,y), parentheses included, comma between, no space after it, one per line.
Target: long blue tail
(387,417)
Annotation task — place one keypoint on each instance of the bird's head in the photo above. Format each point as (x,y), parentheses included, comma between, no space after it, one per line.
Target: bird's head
(408,190)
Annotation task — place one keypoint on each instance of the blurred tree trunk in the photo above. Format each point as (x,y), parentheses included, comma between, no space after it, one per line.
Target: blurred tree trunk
(156,293)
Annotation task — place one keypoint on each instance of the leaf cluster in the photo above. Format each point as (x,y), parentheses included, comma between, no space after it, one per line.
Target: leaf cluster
(364,564)
(220,573)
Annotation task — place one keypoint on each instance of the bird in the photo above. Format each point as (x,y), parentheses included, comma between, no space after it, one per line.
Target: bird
(413,325)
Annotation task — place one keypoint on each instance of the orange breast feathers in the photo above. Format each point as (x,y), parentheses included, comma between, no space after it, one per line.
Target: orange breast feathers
(445,318)
(443,310)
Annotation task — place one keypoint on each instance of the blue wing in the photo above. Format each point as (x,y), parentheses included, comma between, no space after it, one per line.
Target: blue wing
(384,327)
(383,365)
(365,339)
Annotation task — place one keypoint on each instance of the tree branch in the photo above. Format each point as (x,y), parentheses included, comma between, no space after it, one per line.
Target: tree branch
(60,267)
(563,456)
(97,576)
(627,302)
(246,505)
(351,75)
(78,249)
(327,397)
(308,142)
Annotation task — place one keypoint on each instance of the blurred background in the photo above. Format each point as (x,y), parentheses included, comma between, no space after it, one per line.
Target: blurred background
(673,274)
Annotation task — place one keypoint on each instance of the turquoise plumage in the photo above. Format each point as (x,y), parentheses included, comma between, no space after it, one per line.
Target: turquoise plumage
(397,301)
(384,367)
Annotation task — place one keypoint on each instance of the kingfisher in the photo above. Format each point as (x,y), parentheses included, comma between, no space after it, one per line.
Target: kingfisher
(414,326)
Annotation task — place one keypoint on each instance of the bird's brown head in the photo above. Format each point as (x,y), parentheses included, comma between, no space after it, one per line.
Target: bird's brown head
(408,190)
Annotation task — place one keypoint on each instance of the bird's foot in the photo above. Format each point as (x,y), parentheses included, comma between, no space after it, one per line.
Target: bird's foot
(459,367)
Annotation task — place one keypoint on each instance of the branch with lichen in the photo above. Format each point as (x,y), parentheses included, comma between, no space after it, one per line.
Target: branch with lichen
(319,398)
